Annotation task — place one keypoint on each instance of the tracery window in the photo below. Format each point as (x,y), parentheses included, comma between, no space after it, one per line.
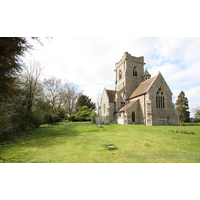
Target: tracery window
(134,71)
(160,99)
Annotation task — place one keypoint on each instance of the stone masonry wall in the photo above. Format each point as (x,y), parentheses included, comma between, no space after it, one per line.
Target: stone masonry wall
(165,116)
(111,111)
(105,101)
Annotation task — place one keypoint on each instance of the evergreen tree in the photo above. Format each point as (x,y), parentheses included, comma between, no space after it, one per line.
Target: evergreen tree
(182,107)
(84,100)
(11,50)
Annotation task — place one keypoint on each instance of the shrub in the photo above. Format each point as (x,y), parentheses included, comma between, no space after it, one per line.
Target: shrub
(84,114)
(62,113)
(36,118)
(72,117)
(48,118)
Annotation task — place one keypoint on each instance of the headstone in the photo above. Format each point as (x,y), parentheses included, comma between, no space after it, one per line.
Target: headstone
(95,119)
(192,120)
(100,118)
(92,120)
(98,122)
(105,121)
(182,124)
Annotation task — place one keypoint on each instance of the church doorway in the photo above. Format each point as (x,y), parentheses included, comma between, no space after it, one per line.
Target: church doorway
(133,116)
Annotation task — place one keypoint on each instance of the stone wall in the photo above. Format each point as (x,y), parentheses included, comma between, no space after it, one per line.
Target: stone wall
(167,115)
(118,98)
(126,65)
(105,101)
(136,107)
(111,111)
(120,83)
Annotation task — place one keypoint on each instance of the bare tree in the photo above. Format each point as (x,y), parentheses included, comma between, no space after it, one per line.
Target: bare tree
(98,101)
(71,93)
(31,83)
(197,113)
(53,90)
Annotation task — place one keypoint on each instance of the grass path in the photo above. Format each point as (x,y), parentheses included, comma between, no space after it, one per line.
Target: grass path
(80,142)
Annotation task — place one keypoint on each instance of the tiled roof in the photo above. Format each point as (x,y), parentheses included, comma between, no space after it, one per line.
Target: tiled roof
(111,95)
(126,106)
(141,88)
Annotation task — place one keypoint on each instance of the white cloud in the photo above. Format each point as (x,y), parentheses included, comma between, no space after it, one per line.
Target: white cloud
(90,62)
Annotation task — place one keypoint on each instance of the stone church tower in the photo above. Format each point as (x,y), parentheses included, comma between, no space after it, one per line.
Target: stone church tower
(129,72)
(138,98)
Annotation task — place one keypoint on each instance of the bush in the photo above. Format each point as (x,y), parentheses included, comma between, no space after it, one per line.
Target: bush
(72,118)
(35,119)
(8,133)
(84,114)
(48,118)
(62,113)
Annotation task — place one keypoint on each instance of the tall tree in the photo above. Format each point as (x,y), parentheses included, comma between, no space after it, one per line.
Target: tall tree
(53,89)
(70,95)
(11,51)
(84,100)
(98,102)
(31,82)
(197,114)
(182,107)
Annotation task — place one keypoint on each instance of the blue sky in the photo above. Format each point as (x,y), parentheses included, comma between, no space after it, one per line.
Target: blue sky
(90,61)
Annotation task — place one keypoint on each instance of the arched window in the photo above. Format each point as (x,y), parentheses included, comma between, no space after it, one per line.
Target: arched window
(104,108)
(160,99)
(120,74)
(134,71)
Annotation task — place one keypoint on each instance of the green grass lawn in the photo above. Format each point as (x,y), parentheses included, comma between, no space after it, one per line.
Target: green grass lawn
(80,142)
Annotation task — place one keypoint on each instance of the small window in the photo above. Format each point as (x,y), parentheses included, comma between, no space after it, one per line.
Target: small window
(134,71)
(104,108)
(120,74)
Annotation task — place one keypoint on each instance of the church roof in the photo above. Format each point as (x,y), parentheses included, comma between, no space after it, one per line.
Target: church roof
(126,106)
(111,95)
(146,73)
(142,88)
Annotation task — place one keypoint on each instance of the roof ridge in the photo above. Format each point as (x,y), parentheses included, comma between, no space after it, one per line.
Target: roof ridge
(152,82)
(148,79)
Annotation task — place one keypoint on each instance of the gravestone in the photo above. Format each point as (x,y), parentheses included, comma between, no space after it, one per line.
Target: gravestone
(98,122)
(192,120)
(95,119)
(105,121)
(100,118)
(92,120)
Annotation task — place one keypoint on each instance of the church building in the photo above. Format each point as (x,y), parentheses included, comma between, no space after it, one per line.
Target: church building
(138,98)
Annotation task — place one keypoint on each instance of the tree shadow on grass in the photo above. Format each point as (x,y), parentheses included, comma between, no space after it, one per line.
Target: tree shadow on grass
(46,135)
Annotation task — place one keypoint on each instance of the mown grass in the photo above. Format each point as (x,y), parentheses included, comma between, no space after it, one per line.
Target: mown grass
(81,142)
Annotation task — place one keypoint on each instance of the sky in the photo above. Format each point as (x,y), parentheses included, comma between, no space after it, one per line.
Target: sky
(90,61)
